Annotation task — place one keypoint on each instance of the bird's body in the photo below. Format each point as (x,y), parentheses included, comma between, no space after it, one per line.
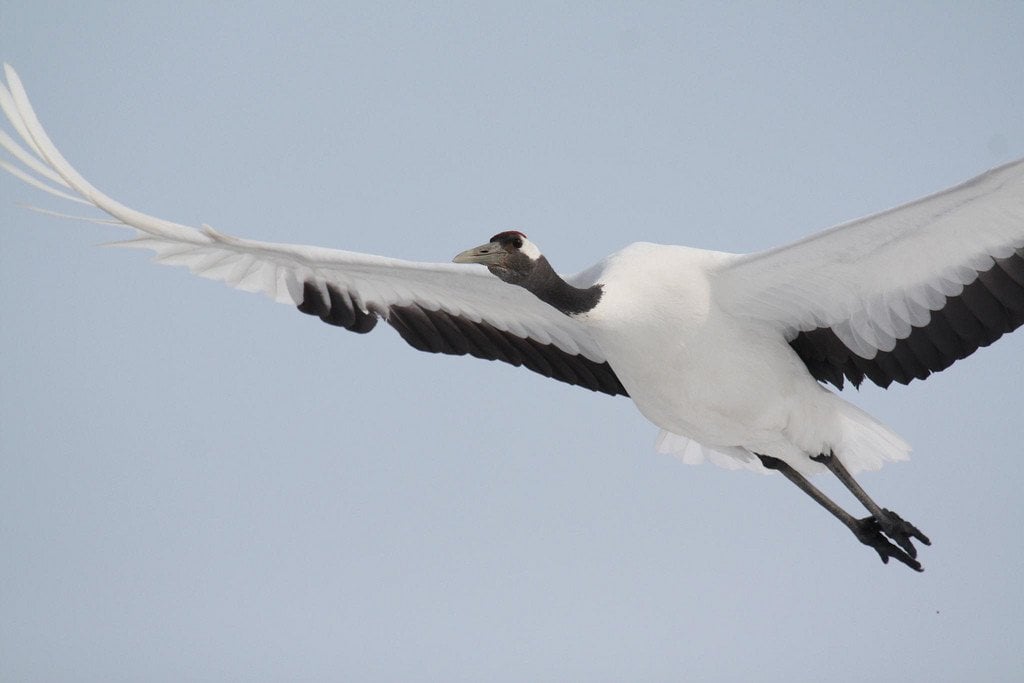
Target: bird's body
(734,387)
(726,353)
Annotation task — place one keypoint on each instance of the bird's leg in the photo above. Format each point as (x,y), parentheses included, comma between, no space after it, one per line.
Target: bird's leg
(867,530)
(892,525)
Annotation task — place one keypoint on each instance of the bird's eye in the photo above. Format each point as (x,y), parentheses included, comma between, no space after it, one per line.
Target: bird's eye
(517,243)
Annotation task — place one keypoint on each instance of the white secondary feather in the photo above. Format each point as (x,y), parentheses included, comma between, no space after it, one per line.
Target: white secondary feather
(279,270)
(872,279)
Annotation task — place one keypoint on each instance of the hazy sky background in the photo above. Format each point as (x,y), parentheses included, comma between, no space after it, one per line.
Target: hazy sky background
(198,484)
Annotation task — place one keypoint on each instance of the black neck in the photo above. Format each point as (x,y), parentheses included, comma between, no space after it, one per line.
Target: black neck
(546,285)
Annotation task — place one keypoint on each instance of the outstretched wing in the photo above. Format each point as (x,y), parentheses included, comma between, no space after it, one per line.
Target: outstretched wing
(436,307)
(898,295)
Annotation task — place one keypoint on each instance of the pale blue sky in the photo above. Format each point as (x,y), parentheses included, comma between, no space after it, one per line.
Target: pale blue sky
(198,484)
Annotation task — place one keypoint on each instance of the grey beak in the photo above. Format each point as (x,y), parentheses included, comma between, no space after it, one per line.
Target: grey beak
(488,254)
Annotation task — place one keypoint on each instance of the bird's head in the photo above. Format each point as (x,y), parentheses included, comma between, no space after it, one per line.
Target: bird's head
(509,255)
(518,261)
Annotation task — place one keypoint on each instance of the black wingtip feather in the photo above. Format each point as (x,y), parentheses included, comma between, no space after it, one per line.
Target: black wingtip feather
(441,332)
(340,311)
(987,308)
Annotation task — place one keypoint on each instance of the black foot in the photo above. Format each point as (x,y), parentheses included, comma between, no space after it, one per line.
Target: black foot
(901,531)
(869,532)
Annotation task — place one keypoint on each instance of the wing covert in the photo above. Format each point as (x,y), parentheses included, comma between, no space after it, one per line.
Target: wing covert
(898,295)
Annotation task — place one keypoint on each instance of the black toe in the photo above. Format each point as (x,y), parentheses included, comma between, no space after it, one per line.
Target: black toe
(901,531)
(869,532)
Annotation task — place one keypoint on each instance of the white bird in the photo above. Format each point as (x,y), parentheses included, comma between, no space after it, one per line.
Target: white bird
(726,353)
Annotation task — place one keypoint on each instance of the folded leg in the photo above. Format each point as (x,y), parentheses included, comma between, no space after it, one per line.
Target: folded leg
(867,530)
(892,525)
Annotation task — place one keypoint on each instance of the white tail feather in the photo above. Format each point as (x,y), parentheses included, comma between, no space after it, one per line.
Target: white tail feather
(693,453)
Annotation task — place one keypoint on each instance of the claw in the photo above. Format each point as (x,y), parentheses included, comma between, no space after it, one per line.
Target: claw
(869,532)
(901,531)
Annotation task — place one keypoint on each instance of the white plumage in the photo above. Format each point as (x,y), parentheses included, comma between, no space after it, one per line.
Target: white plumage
(874,278)
(725,353)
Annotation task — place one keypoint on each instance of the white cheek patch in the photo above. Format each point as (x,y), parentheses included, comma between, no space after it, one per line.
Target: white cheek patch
(530,249)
